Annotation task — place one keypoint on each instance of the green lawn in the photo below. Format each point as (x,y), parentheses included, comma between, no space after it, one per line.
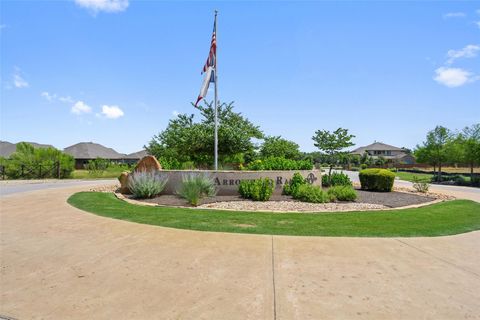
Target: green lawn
(109,173)
(408,176)
(444,218)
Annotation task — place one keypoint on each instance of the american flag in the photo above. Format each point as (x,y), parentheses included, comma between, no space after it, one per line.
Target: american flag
(209,67)
(212,55)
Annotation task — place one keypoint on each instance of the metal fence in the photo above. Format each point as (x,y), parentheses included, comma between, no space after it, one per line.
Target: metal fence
(29,171)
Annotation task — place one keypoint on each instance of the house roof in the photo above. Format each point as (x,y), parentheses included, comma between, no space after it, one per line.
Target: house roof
(376,146)
(7,148)
(91,150)
(137,155)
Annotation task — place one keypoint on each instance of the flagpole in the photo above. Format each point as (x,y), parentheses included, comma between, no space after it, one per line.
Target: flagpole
(216,99)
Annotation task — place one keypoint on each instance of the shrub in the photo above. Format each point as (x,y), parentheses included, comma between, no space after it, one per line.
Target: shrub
(314,194)
(377,179)
(28,162)
(343,193)
(257,189)
(196,186)
(290,188)
(278,163)
(336,179)
(363,166)
(475,181)
(420,185)
(97,166)
(146,184)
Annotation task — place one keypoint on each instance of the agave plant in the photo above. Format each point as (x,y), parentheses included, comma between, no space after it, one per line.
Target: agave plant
(196,186)
(146,184)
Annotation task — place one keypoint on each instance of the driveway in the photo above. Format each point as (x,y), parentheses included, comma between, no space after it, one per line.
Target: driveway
(58,262)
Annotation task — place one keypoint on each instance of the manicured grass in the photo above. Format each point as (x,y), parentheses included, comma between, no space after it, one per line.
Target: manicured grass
(109,173)
(444,218)
(408,176)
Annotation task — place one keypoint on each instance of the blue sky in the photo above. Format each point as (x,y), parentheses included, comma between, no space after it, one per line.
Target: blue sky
(115,72)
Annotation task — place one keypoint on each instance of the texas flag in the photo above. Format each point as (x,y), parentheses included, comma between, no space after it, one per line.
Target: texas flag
(209,67)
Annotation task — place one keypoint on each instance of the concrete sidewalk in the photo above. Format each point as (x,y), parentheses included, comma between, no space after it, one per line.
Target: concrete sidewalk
(58,262)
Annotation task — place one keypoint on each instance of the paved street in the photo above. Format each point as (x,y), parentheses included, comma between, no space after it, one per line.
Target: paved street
(58,262)
(20,186)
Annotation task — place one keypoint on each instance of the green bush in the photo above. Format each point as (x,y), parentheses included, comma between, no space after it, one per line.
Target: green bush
(336,179)
(342,193)
(257,189)
(146,184)
(290,188)
(196,186)
(314,194)
(420,185)
(97,166)
(28,162)
(363,166)
(278,163)
(377,179)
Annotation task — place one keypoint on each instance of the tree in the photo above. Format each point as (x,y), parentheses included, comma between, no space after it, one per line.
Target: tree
(434,149)
(332,144)
(469,140)
(279,147)
(186,140)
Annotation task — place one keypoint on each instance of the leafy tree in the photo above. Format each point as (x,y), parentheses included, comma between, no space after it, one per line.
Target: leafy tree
(332,144)
(185,140)
(279,147)
(469,140)
(434,150)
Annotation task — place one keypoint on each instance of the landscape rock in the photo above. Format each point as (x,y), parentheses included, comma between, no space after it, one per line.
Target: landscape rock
(148,163)
(123,178)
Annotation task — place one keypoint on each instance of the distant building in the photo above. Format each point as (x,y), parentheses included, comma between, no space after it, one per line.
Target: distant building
(133,158)
(390,153)
(85,151)
(7,148)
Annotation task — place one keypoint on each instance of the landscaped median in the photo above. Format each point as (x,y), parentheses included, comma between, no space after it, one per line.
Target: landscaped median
(445,218)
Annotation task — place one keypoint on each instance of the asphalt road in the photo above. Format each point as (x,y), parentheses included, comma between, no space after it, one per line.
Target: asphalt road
(20,186)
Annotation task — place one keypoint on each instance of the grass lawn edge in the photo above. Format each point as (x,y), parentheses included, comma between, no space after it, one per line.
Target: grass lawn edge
(440,219)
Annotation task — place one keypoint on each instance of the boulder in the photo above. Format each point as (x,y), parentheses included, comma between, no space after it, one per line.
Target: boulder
(123,178)
(148,163)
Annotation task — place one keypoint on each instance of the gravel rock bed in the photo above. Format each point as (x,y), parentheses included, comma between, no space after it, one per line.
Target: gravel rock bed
(366,200)
(293,206)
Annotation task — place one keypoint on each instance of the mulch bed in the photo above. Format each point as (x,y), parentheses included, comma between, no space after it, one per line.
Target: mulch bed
(392,199)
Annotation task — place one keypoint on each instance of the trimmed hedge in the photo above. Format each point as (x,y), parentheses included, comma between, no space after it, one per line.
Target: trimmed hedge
(377,179)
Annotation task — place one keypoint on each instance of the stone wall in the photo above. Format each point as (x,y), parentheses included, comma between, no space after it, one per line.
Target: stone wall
(227,181)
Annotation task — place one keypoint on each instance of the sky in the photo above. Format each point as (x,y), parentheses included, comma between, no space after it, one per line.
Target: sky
(115,71)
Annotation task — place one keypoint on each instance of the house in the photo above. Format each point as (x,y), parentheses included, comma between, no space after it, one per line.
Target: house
(7,148)
(85,151)
(390,153)
(133,158)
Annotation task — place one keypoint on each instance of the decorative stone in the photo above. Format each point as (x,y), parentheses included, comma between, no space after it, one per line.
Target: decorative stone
(148,163)
(123,178)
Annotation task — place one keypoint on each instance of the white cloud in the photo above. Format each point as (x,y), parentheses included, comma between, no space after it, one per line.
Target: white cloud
(454,15)
(48,96)
(103,5)
(175,113)
(478,24)
(453,77)
(18,80)
(469,51)
(112,112)
(54,97)
(80,107)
